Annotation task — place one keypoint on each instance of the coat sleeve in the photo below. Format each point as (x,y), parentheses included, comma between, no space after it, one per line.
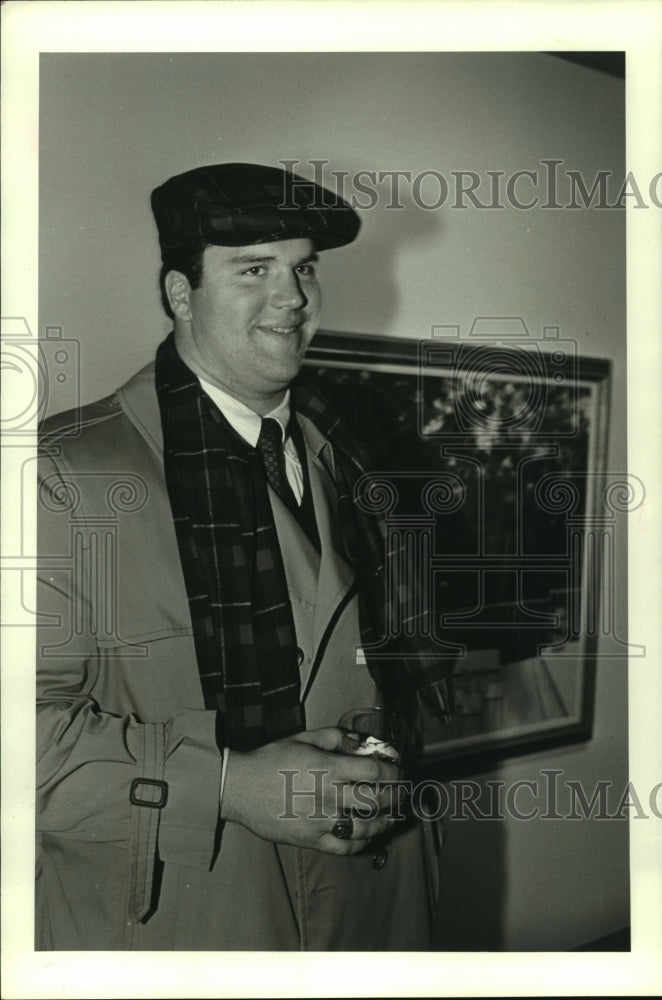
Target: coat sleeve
(92,760)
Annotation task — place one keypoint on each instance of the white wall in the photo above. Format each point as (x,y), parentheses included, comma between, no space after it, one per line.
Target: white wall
(114,126)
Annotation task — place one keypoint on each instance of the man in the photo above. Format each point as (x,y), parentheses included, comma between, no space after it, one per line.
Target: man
(200,646)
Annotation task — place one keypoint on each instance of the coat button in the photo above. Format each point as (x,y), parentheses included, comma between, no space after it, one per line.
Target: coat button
(379,859)
(300,655)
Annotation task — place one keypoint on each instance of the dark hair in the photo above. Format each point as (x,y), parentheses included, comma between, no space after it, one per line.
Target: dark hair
(188,261)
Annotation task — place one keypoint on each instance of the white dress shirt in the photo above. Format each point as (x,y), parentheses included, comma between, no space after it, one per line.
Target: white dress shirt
(247,423)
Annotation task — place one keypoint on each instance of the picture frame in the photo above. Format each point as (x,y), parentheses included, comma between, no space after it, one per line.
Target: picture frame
(487,455)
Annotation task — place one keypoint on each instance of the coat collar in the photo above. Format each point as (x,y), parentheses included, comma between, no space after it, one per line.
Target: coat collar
(139,401)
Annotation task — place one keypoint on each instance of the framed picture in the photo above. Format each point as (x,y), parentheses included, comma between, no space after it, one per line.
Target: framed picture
(487,456)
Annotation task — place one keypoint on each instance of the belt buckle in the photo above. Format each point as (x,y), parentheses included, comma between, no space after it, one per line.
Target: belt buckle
(136,801)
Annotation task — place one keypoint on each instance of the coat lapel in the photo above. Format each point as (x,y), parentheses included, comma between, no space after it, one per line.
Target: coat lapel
(335,579)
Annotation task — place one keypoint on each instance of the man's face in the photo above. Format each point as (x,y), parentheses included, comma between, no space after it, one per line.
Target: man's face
(252,318)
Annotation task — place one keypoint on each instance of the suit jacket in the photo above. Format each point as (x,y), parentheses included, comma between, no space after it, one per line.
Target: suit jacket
(122,723)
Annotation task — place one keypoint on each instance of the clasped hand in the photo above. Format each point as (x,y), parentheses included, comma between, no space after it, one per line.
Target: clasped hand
(293,791)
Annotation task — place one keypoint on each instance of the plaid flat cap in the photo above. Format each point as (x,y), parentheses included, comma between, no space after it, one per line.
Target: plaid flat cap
(239,204)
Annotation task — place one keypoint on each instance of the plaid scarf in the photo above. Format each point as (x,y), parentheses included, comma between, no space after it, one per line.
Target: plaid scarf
(409,669)
(233,571)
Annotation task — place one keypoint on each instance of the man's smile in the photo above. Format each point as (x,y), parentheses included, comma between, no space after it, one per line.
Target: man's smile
(281,327)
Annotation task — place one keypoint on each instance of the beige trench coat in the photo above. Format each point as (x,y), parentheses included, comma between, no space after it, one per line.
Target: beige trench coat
(119,699)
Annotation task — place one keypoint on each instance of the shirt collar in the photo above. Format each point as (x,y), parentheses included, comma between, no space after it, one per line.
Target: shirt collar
(242,419)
